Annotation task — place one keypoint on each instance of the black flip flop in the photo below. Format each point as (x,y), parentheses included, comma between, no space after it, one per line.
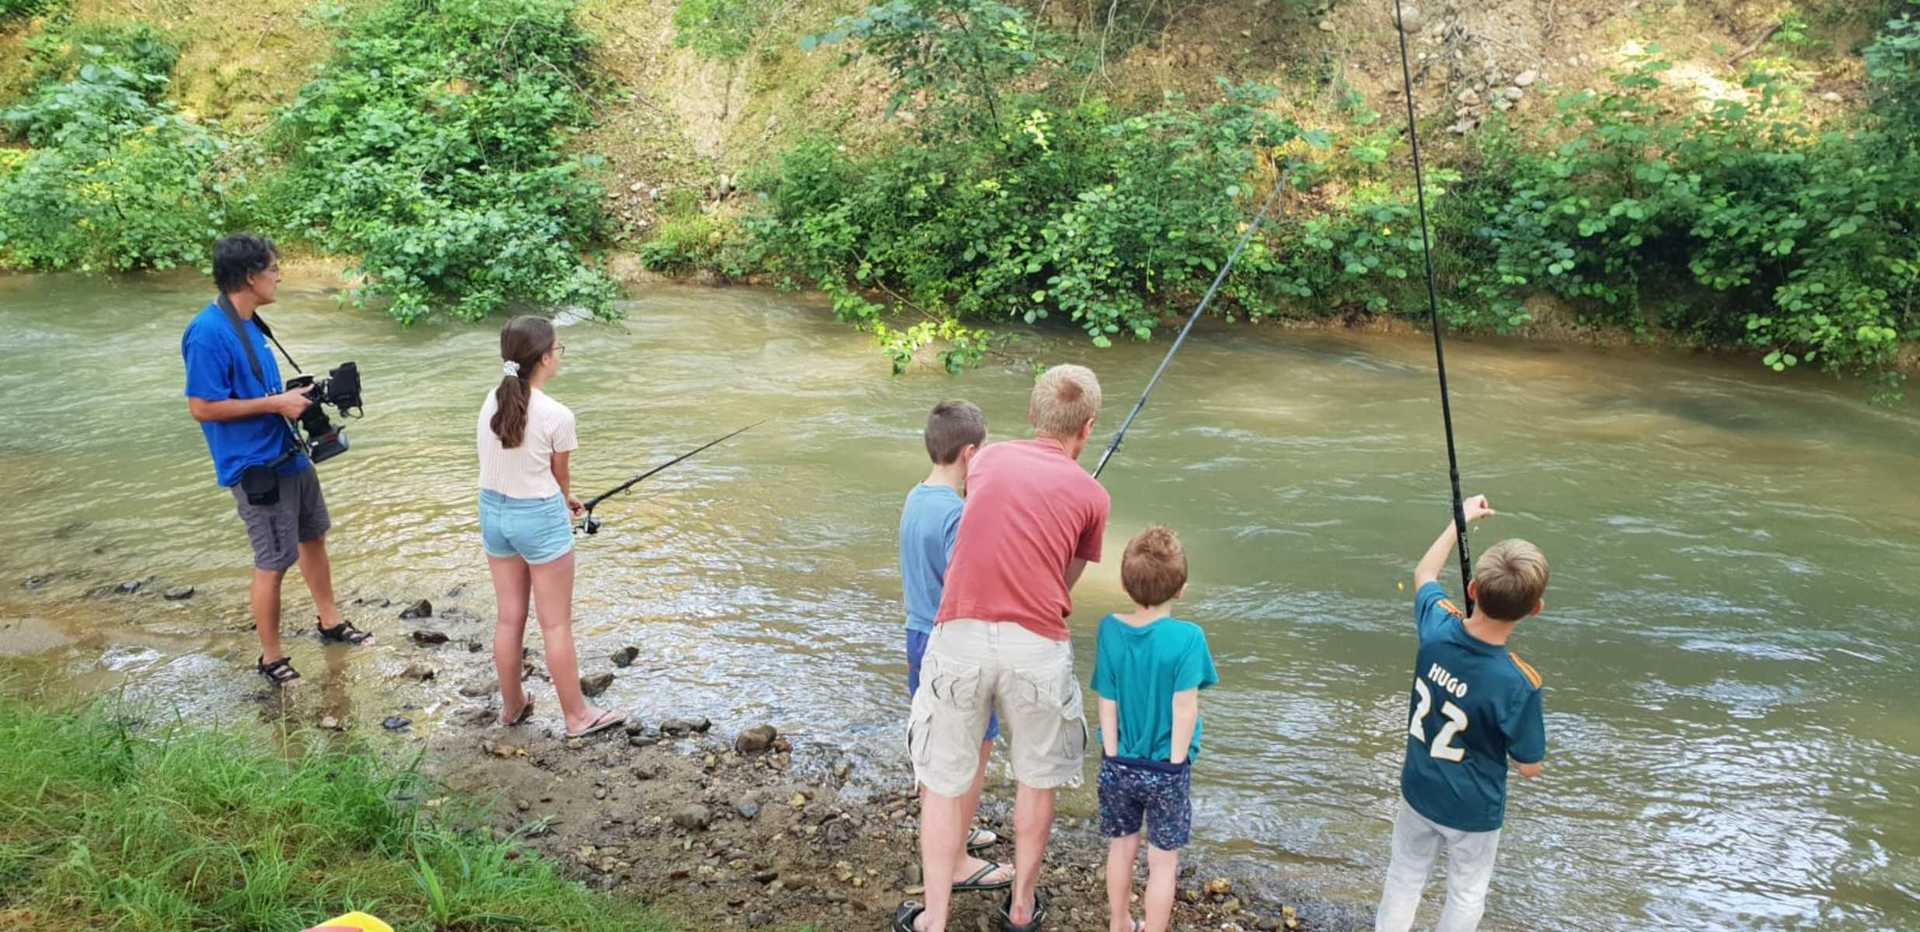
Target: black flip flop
(1033,925)
(975,882)
(904,916)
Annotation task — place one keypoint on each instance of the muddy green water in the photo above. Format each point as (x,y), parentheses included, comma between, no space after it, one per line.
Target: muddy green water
(1730,649)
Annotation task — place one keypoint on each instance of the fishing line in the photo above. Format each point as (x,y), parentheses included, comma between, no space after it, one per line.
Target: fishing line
(1433,311)
(591,525)
(1221,276)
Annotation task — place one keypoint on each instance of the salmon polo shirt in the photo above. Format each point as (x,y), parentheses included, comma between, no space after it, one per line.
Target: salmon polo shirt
(1031,510)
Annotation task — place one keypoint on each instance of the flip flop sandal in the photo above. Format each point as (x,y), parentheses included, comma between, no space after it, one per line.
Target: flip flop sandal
(342,633)
(279,673)
(605,721)
(1033,925)
(904,916)
(526,712)
(979,879)
(981,838)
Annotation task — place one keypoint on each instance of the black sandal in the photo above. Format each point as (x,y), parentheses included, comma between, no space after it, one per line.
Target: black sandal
(342,633)
(279,672)
(1033,925)
(904,916)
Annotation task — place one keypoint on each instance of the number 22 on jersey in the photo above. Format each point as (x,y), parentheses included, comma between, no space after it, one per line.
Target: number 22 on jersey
(1442,746)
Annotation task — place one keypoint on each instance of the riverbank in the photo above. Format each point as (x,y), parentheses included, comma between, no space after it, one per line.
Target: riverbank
(749,830)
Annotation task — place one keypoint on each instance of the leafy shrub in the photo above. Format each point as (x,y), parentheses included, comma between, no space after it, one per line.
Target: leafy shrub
(116,179)
(722,30)
(431,146)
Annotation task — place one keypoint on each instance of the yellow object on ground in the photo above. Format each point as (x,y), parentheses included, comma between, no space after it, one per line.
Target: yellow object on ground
(357,922)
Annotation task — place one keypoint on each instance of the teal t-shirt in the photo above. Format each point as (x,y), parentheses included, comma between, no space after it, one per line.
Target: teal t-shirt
(1140,669)
(1473,706)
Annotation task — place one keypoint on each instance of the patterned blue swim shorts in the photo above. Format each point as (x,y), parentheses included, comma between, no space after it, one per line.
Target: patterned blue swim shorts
(1131,789)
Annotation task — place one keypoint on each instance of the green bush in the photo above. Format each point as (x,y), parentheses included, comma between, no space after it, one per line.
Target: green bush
(432,146)
(115,178)
(722,30)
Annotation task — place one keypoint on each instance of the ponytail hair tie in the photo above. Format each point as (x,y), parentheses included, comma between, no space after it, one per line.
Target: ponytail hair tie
(511,368)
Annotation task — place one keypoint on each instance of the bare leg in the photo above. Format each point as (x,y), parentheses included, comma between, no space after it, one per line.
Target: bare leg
(1121,853)
(1032,826)
(971,809)
(265,599)
(511,583)
(1163,872)
(553,604)
(317,570)
(943,842)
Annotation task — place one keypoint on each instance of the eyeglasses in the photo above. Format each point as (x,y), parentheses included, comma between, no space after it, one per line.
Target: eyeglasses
(559,349)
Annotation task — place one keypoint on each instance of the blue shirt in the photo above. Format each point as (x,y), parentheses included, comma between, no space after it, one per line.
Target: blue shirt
(1140,668)
(929,525)
(218,370)
(1473,706)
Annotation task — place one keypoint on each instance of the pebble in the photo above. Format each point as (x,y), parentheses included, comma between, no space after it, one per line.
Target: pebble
(625,656)
(130,587)
(396,722)
(479,690)
(596,684)
(331,724)
(419,672)
(684,726)
(842,768)
(645,771)
(1326,25)
(1832,97)
(179,593)
(692,817)
(1514,93)
(756,739)
(1526,78)
(749,810)
(427,638)
(420,609)
(1410,19)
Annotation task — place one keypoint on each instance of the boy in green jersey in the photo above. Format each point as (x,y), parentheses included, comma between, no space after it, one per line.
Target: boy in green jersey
(1475,706)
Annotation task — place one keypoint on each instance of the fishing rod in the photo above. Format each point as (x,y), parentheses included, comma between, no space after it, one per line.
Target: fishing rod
(1433,313)
(591,525)
(1206,299)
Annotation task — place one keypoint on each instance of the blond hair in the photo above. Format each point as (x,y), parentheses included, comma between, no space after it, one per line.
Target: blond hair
(1509,579)
(1154,568)
(1064,399)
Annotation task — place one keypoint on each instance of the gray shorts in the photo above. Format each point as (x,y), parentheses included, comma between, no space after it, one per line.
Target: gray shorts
(277,530)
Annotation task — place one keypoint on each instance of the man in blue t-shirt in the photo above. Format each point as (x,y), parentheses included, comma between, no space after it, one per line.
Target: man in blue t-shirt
(929,527)
(234,391)
(1475,706)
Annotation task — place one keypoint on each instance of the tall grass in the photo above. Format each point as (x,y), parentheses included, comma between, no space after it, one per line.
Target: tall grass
(105,825)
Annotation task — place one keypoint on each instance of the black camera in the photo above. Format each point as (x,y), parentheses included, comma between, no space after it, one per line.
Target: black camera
(341,389)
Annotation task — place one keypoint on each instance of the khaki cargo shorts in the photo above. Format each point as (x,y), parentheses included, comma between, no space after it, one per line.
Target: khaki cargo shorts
(973,668)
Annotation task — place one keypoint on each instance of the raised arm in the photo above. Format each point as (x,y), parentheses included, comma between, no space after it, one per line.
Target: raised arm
(1436,556)
(1186,714)
(285,404)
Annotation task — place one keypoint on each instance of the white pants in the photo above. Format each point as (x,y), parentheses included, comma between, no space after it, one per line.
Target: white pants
(1416,843)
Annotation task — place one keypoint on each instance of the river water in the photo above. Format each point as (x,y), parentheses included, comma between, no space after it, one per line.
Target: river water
(1729,650)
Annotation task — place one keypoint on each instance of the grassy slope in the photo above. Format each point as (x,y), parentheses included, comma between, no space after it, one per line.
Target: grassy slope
(106,822)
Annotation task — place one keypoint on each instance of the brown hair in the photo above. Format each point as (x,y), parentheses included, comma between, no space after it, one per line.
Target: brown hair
(1155,566)
(524,340)
(1064,399)
(953,426)
(1509,579)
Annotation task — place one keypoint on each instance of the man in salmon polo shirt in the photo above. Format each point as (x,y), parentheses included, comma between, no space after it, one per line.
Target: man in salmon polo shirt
(1033,521)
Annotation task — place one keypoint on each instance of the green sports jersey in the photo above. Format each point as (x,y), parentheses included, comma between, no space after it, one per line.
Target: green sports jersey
(1473,706)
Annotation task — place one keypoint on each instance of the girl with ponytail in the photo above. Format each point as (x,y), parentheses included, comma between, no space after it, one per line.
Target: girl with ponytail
(526,440)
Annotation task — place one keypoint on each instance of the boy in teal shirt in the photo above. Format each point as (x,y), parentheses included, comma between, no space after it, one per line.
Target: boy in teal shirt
(1475,706)
(1149,668)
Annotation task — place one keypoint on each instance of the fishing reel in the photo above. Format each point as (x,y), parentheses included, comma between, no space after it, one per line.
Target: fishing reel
(588,523)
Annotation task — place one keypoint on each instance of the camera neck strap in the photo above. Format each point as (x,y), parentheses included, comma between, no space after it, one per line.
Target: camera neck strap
(240,330)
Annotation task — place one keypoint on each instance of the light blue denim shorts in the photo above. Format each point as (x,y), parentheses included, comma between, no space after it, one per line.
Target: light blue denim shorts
(537,530)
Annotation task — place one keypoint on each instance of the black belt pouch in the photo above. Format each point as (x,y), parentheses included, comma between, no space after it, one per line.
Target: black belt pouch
(262,485)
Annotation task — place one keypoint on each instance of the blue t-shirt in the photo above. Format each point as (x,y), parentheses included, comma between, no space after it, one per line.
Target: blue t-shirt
(218,370)
(1140,668)
(1473,706)
(929,525)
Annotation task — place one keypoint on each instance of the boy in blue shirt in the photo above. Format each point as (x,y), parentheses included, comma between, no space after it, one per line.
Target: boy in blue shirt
(929,526)
(1149,668)
(1475,706)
